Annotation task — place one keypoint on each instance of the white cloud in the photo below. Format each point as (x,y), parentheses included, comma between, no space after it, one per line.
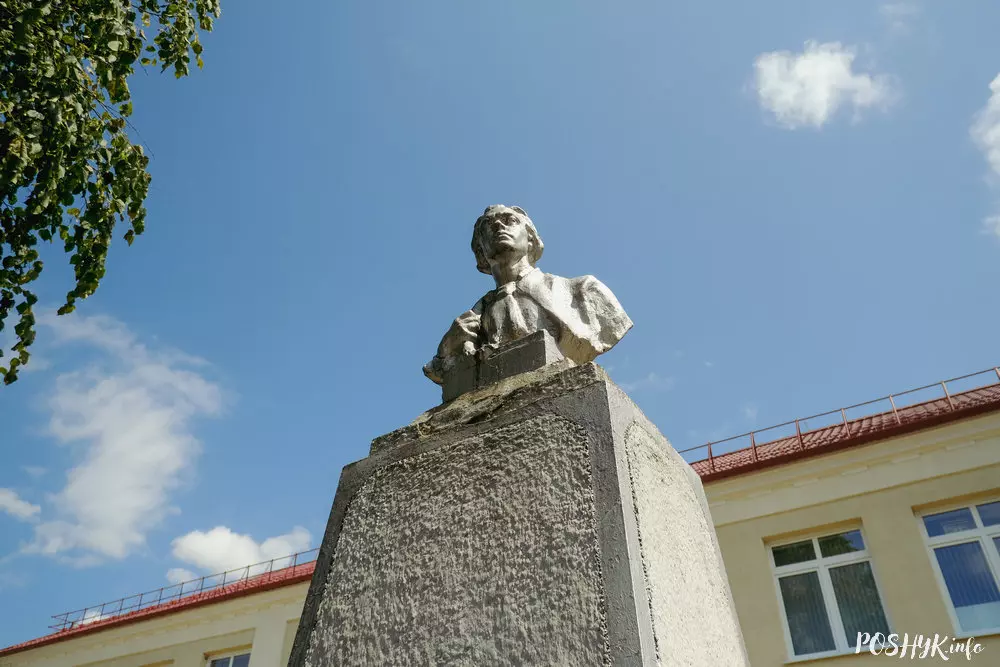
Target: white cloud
(900,15)
(92,616)
(13,580)
(986,127)
(808,88)
(220,549)
(178,575)
(985,133)
(130,416)
(991,226)
(651,381)
(12,504)
(34,471)
(750,412)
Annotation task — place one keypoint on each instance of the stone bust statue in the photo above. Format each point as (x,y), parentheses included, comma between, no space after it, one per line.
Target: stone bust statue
(582,315)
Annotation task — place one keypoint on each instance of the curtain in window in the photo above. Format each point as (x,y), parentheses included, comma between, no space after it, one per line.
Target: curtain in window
(970,584)
(808,622)
(858,601)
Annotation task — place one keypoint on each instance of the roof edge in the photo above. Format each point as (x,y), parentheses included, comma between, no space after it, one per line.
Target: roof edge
(855,441)
(238,590)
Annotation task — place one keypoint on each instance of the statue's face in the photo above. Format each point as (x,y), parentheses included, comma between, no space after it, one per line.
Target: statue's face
(506,237)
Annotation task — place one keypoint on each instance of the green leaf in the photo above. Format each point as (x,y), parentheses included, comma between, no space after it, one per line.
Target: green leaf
(69,169)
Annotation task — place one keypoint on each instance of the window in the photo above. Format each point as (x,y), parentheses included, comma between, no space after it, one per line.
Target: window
(241,660)
(828,594)
(965,550)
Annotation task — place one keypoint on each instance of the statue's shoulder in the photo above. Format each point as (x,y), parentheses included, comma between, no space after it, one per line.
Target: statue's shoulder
(581,283)
(553,279)
(577,285)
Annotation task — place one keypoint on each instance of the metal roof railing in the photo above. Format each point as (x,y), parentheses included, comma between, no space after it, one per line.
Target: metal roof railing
(258,572)
(842,417)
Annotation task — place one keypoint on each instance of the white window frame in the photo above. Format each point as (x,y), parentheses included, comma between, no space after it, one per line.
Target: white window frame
(222,656)
(981,533)
(822,565)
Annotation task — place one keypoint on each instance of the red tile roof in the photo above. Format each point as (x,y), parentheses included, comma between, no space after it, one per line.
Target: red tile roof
(852,433)
(257,584)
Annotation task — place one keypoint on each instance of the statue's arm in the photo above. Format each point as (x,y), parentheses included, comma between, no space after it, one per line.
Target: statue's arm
(460,341)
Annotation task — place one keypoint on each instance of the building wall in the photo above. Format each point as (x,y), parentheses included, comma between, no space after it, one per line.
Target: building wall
(879,487)
(263,623)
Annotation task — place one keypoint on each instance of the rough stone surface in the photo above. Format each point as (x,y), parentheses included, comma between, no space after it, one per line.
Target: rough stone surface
(540,521)
(694,620)
(505,397)
(482,552)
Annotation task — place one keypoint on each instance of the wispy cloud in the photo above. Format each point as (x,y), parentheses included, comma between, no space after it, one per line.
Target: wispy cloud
(12,504)
(991,225)
(178,575)
(91,616)
(808,88)
(900,15)
(129,417)
(220,549)
(651,381)
(750,412)
(12,580)
(985,133)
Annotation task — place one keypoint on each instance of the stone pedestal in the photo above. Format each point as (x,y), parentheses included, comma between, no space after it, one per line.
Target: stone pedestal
(542,520)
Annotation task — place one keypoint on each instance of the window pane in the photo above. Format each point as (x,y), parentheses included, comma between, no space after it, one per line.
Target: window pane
(808,623)
(220,662)
(857,598)
(989,513)
(241,660)
(794,553)
(949,522)
(971,585)
(845,543)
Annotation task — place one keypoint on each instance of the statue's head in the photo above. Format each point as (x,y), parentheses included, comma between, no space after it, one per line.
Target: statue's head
(505,232)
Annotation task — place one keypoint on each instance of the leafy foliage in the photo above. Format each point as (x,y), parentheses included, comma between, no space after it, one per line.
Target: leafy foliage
(68,168)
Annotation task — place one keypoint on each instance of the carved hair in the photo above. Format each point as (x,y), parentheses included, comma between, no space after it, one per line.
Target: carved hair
(534,253)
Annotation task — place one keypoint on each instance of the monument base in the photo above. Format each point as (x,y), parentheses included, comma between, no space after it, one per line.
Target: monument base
(540,521)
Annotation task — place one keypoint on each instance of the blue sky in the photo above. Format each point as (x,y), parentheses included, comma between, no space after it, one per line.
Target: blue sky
(792,201)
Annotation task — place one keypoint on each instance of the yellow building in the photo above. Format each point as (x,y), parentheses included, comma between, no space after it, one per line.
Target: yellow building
(885,523)
(882,519)
(247,620)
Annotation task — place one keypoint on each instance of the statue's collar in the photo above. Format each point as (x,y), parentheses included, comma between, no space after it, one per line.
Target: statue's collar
(508,288)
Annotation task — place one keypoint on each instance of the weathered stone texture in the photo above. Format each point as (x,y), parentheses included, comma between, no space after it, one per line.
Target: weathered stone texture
(481,552)
(694,620)
(542,520)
